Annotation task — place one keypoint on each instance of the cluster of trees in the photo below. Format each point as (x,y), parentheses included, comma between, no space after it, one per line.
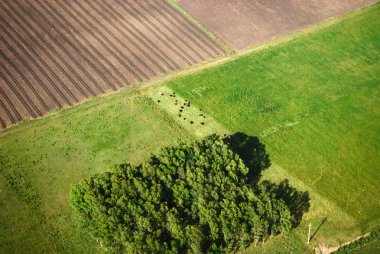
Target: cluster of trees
(198,197)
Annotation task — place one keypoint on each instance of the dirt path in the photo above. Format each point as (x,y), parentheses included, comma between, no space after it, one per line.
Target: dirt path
(322,249)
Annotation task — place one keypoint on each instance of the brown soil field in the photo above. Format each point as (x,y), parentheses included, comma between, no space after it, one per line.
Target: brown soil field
(55,53)
(244,23)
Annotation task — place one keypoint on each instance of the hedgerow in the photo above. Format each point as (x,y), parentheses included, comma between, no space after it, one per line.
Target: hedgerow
(373,236)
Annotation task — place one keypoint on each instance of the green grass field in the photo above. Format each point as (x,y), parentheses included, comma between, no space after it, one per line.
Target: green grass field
(40,161)
(313,101)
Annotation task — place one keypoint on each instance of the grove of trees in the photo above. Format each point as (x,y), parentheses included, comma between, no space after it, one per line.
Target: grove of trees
(197,197)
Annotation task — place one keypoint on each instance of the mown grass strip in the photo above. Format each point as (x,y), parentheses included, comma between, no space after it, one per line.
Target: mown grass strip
(191,118)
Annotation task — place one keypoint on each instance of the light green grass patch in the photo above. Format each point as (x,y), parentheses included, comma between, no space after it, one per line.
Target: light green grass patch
(181,110)
(39,163)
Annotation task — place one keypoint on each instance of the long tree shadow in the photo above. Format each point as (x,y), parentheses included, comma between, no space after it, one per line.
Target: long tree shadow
(256,158)
(297,201)
(251,151)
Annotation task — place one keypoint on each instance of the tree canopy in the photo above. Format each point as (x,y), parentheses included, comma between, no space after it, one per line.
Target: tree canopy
(196,197)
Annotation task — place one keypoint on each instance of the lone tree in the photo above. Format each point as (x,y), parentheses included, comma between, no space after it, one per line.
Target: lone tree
(191,198)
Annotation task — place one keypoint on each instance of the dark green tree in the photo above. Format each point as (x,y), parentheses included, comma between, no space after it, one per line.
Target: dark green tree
(191,198)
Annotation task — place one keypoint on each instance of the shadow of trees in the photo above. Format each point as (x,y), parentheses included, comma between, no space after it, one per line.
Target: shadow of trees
(297,201)
(251,151)
(254,155)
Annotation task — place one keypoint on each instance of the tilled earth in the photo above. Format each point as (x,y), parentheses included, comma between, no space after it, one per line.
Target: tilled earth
(244,23)
(55,53)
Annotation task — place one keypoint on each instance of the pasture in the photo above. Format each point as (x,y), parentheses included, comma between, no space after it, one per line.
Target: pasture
(58,53)
(40,160)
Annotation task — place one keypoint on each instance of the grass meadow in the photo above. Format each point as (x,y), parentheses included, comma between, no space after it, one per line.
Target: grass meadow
(313,101)
(40,161)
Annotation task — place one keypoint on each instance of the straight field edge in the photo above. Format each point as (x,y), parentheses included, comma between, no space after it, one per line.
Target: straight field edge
(194,20)
(162,79)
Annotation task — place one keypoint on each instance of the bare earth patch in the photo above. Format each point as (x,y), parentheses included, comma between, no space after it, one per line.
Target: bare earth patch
(322,249)
(244,23)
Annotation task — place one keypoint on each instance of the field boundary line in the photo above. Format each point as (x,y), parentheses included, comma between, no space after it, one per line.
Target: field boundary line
(327,250)
(209,64)
(160,80)
(134,12)
(186,48)
(181,47)
(164,15)
(193,30)
(196,22)
(2,123)
(306,30)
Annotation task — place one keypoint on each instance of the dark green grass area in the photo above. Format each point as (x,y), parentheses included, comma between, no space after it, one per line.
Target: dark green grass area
(368,244)
(372,247)
(39,163)
(315,102)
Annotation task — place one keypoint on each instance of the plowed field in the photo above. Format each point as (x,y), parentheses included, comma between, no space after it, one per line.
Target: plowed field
(56,53)
(243,23)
